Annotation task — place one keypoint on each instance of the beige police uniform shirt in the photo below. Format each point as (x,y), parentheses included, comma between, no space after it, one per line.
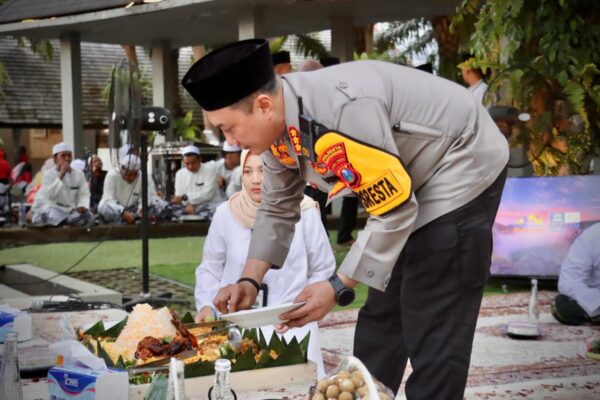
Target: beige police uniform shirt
(447,141)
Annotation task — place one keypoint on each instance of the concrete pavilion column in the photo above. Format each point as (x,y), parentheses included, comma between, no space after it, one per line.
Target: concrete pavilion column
(71,94)
(342,37)
(162,92)
(250,22)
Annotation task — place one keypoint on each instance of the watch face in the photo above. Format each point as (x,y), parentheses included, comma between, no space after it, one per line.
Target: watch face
(345,297)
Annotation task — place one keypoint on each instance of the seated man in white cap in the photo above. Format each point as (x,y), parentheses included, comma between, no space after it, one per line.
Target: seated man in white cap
(228,172)
(122,195)
(196,187)
(64,196)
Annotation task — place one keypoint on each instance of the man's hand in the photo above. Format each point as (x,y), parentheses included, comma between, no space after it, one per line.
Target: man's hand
(128,217)
(206,314)
(189,209)
(320,299)
(81,210)
(220,181)
(176,200)
(232,298)
(66,167)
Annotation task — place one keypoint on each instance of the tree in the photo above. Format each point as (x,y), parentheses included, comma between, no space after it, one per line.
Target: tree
(422,36)
(545,60)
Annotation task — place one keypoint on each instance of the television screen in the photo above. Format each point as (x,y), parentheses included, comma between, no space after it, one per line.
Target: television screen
(537,221)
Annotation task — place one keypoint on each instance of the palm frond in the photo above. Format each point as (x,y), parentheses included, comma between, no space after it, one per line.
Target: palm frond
(310,46)
(576,95)
(277,43)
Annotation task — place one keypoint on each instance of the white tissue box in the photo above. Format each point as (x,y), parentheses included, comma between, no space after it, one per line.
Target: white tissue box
(82,383)
(15,321)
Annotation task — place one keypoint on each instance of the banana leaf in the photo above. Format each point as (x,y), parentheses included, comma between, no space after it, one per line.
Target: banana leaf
(304,343)
(96,330)
(199,368)
(277,344)
(115,330)
(244,362)
(104,355)
(292,354)
(187,318)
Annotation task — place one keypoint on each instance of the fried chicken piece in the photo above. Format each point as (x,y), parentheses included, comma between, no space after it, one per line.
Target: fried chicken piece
(149,347)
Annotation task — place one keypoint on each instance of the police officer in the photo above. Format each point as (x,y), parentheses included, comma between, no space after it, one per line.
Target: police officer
(428,164)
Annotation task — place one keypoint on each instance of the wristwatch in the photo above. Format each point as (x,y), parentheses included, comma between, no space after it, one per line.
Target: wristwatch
(343,295)
(184,197)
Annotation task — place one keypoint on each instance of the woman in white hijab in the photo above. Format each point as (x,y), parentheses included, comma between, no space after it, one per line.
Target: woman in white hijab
(309,260)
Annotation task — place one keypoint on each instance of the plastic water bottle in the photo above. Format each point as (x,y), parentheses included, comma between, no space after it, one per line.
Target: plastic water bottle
(176,385)
(534,310)
(222,388)
(10,378)
(22,214)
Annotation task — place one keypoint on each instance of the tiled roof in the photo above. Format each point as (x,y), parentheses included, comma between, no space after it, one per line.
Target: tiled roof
(18,10)
(33,96)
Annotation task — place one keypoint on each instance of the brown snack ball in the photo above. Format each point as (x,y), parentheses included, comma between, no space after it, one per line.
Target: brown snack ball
(346,385)
(343,375)
(332,392)
(383,396)
(318,396)
(362,391)
(358,381)
(346,396)
(322,385)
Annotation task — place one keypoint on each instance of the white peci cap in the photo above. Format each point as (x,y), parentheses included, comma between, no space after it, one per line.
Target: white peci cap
(231,148)
(130,162)
(78,164)
(191,149)
(61,147)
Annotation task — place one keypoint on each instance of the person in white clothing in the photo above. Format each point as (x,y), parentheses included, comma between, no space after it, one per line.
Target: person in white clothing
(64,196)
(579,281)
(122,195)
(228,170)
(474,77)
(310,258)
(196,188)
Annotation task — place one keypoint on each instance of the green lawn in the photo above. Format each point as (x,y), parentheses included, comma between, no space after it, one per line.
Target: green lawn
(175,258)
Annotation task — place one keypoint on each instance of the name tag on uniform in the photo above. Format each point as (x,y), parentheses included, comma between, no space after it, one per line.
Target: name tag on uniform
(74,187)
(200,184)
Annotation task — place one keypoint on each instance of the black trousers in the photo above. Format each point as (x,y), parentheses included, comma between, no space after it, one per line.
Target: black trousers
(429,310)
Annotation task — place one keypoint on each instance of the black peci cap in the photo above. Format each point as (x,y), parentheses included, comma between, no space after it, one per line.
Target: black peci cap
(506,113)
(228,74)
(329,61)
(281,57)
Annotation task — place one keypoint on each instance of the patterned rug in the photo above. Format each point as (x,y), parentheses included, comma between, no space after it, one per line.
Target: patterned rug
(552,367)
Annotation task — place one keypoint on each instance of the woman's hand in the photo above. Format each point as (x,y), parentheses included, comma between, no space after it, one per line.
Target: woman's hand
(206,314)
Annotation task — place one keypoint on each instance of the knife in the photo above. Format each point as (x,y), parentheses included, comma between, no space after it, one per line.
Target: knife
(217,323)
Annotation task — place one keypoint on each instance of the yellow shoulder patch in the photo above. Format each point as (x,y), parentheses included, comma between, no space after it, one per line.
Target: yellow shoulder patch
(376,176)
(280,151)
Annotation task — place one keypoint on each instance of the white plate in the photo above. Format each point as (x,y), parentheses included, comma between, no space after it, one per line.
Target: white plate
(260,316)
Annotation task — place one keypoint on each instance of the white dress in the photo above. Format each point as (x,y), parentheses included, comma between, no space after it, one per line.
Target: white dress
(309,260)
